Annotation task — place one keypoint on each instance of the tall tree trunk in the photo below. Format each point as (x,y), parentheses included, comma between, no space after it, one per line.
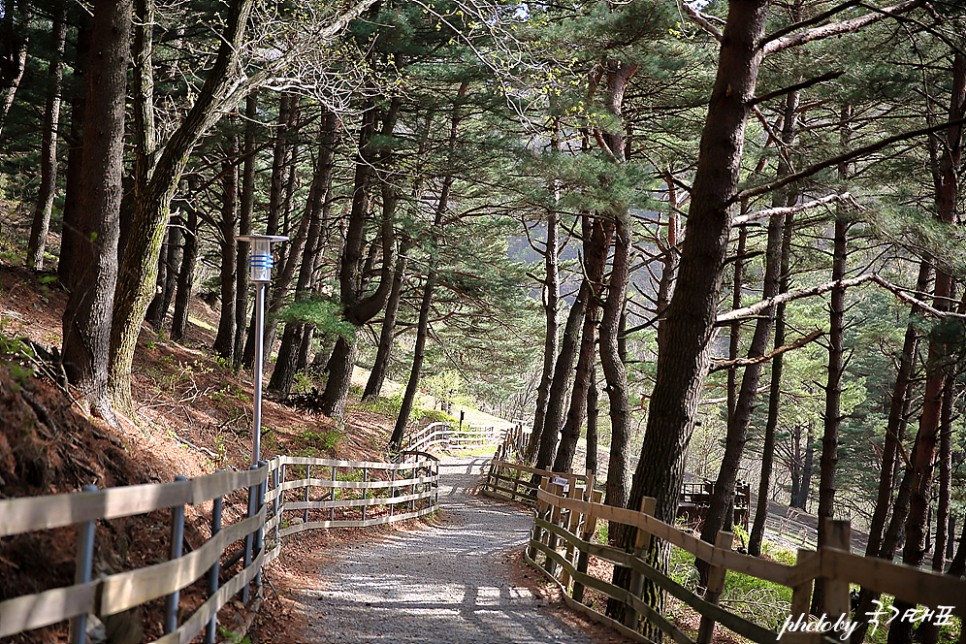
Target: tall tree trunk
(937,361)
(87,318)
(805,482)
(928,631)
(597,235)
(225,339)
(563,366)
(153,202)
(388,331)
(774,400)
(15,38)
(70,228)
(684,360)
(419,353)
(590,463)
(186,275)
(737,434)
(612,346)
(282,155)
(422,327)
(172,267)
(894,433)
(833,399)
(37,243)
(317,214)
(359,309)
(246,206)
(734,337)
(551,306)
(896,421)
(586,356)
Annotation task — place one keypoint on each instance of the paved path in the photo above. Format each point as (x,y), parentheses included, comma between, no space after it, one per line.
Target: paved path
(446,584)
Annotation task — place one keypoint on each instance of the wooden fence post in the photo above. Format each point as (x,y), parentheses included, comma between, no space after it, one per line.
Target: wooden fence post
(802,593)
(716,581)
(572,521)
(642,542)
(839,537)
(537,536)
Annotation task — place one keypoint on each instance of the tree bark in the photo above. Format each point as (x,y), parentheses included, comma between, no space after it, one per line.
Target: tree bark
(388,331)
(937,361)
(774,400)
(15,41)
(833,399)
(590,464)
(87,318)
(551,306)
(225,338)
(186,275)
(597,235)
(359,309)
(37,243)
(563,366)
(317,213)
(70,228)
(153,203)
(246,206)
(737,434)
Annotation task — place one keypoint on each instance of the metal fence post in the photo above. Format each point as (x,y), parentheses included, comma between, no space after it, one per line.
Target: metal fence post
(277,479)
(308,475)
(333,492)
(365,479)
(216,510)
(177,539)
(392,490)
(83,571)
(249,538)
(260,535)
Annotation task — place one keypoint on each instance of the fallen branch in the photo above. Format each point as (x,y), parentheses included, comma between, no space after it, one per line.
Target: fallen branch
(719,365)
(203,450)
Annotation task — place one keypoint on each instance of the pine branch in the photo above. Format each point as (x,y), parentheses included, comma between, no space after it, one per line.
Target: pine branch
(842,158)
(792,210)
(773,45)
(720,365)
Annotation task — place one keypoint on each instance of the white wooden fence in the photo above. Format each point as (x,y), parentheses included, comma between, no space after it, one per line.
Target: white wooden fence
(286,495)
(443,434)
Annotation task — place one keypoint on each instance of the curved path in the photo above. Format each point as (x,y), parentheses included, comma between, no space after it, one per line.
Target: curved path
(445,583)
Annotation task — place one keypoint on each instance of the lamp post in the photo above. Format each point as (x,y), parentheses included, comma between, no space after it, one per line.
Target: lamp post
(260,262)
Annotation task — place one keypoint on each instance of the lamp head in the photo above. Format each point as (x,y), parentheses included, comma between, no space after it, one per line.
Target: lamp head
(260,260)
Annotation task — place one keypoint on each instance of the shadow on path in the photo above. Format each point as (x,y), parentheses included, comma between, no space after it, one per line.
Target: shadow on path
(446,583)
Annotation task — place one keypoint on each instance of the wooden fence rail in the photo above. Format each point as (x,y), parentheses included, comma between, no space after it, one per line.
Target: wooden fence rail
(516,482)
(561,545)
(341,494)
(443,434)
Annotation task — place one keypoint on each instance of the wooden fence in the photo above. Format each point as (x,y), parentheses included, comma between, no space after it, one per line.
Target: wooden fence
(505,480)
(562,545)
(465,436)
(285,496)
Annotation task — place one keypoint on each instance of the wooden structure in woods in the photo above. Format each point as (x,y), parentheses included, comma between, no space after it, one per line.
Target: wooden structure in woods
(562,546)
(519,483)
(695,500)
(280,497)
